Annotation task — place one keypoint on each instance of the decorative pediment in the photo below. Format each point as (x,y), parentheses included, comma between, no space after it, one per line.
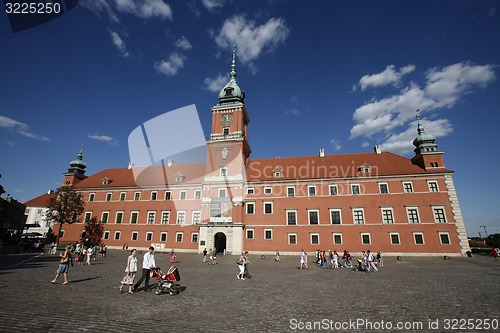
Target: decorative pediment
(106,181)
(179,177)
(365,169)
(278,172)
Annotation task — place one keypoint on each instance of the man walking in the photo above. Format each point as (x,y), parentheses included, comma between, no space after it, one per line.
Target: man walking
(148,262)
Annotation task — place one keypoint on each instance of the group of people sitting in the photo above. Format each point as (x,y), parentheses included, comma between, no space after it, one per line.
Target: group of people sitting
(334,260)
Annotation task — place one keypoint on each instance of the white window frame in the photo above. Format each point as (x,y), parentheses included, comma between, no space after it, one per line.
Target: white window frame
(390,209)
(91,197)
(250,204)
(415,240)
(287,217)
(222,192)
(134,234)
(253,233)
(153,212)
(105,212)
(264,205)
(250,190)
(294,235)
(163,212)
(164,234)
(116,216)
(429,182)
(132,214)
(265,234)
(355,186)
(386,187)
(405,189)
(330,187)
(155,194)
(314,234)
(292,194)
(193,234)
(117,235)
(123,195)
(369,238)
(309,211)
(148,233)
(313,188)
(88,216)
(434,209)
(179,214)
(197,195)
(223,171)
(408,214)
(339,234)
(168,194)
(109,196)
(268,190)
(196,212)
(442,233)
(106,235)
(137,196)
(177,234)
(394,234)
(340,215)
(182,194)
(362,210)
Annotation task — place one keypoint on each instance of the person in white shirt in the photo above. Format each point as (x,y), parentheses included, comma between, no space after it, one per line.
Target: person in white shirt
(147,263)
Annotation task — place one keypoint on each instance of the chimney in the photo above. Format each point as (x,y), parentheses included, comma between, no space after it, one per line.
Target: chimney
(130,165)
(50,192)
(322,152)
(377,149)
(170,163)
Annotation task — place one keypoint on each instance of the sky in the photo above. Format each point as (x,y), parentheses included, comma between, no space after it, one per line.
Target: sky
(338,75)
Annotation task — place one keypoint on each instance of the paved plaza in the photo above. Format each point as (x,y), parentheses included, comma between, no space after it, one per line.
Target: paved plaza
(420,294)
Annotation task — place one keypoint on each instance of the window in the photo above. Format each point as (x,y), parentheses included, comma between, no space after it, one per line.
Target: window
(91,196)
(313,216)
(311,190)
(250,208)
(122,196)
(178,237)
(355,189)
(419,238)
(135,235)
(433,187)
(358,216)
(268,190)
(250,190)
(268,234)
(394,238)
(412,215)
(117,235)
(108,196)
(222,193)
(196,217)
(62,233)
(291,217)
(223,171)
(226,131)
(106,235)
(149,236)
(408,187)
(197,194)
(333,190)
(165,217)
(249,233)
(137,196)
(151,217)
(292,239)
(365,238)
(268,207)
(133,217)
(182,195)
(335,217)
(290,191)
(194,237)
(168,195)
(104,217)
(444,237)
(163,237)
(154,195)
(439,216)
(384,188)
(88,216)
(314,239)
(387,216)
(337,238)
(181,217)
(119,217)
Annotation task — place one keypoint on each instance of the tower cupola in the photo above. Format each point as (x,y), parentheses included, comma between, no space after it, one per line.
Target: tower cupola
(231,93)
(424,142)
(78,166)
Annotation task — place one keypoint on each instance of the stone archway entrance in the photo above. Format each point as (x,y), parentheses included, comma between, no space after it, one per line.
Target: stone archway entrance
(220,242)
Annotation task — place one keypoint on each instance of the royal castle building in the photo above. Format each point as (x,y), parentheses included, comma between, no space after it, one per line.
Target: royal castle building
(375,200)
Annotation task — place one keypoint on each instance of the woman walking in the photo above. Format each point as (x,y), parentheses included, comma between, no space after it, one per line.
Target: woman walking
(241,266)
(130,272)
(63,266)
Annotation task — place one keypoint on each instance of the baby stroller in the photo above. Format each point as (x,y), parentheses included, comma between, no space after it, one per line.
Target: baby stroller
(167,281)
(360,265)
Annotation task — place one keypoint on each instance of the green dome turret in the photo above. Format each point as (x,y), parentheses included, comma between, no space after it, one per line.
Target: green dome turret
(78,166)
(231,93)
(424,142)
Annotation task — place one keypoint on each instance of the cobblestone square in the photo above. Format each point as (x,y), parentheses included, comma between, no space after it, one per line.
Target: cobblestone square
(278,298)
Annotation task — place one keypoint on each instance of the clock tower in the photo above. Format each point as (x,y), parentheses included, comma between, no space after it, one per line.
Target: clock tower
(228,153)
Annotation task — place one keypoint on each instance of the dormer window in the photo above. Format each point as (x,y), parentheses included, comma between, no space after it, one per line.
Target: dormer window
(228,91)
(106,181)
(179,177)
(278,172)
(365,169)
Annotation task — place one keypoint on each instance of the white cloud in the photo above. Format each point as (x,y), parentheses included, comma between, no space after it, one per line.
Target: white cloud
(217,83)
(145,8)
(389,76)
(183,44)
(120,44)
(337,144)
(20,128)
(100,6)
(212,5)
(444,87)
(172,65)
(103,138)
(251,39)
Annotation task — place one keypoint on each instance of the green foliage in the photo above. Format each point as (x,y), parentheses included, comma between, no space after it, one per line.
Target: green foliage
(94,231)
(493,240)
(65,207)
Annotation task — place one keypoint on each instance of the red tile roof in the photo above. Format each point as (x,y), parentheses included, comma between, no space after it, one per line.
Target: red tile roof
(41,201)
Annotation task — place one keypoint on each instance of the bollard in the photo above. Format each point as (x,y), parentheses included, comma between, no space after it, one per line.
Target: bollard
(398,258)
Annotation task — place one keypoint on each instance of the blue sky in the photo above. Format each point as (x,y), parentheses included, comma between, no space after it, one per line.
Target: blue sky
(339,75)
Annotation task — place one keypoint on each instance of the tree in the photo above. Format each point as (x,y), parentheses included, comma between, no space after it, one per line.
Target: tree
(93,231)
(65,207)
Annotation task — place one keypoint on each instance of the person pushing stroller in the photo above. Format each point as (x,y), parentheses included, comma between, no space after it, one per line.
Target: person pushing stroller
(148,263)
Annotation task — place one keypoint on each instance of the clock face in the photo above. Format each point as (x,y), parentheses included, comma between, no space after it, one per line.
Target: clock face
(227,119)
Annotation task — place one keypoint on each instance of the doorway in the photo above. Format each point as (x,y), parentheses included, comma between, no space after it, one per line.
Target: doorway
(220,242)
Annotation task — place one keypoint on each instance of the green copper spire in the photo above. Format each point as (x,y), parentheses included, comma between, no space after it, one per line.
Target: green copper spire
(78,166)
(231,93)
(423,142)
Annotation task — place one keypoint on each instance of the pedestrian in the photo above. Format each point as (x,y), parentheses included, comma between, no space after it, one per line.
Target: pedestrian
(63,265)
(173,256)
(215,258)
(89,255)
(371,264)
(241,266)
(278,256)
(205,255)
(105,249)
(303,259)
(335,259)
(246,262)
(130,272)
(148,262)
(380,260)
(494,253)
